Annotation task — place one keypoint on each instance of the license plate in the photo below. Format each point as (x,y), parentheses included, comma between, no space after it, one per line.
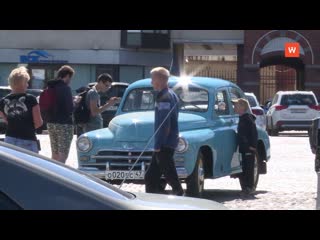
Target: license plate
(124,174)
(298,111)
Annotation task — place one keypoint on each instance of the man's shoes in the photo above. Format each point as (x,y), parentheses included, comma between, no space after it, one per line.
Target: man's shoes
(248,192)
(180,193)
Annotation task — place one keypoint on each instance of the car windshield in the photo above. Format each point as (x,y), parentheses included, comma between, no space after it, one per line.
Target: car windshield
(298,99)
(193,99)
(252,101)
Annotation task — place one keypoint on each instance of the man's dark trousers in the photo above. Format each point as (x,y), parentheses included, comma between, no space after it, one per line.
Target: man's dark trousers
(162,163)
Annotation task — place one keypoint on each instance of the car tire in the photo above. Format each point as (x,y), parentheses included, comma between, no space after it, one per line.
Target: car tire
(195,182)
(255,174)
(268,129)
(273,131)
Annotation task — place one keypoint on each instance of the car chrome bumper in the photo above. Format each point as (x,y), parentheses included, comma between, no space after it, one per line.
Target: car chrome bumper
(294,125)
(182,172)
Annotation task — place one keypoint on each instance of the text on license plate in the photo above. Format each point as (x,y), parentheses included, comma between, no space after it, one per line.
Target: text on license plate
(124,174)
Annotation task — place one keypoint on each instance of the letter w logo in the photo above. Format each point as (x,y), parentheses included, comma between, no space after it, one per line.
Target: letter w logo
(292,50)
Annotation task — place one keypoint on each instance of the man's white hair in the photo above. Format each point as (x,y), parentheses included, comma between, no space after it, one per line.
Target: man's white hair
(161,71)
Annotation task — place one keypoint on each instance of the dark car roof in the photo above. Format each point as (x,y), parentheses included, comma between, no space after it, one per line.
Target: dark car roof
(113,84)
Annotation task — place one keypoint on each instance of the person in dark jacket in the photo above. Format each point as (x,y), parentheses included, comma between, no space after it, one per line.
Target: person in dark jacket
(60,124)
(248,141)
(166,135)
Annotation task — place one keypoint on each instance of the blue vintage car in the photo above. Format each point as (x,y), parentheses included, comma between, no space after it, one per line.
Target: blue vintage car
(207,147)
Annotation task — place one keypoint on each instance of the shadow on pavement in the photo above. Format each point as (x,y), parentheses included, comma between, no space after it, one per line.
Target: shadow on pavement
(228,195)
(224,195)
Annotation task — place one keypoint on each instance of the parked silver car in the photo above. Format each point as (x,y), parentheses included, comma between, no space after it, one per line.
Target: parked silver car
(31,181)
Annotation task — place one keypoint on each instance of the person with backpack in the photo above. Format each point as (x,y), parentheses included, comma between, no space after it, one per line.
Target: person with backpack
(94,120)
(21,112)
(57,105)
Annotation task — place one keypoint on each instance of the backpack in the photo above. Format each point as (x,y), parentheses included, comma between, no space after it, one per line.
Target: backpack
(82,113)
(47,102)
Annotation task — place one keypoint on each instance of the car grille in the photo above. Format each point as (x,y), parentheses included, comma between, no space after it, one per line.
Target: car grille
(120,160)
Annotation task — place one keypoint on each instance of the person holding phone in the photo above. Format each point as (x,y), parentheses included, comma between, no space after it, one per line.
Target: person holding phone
(103,84)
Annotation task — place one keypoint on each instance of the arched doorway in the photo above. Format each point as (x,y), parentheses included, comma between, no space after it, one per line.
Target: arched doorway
(278,73)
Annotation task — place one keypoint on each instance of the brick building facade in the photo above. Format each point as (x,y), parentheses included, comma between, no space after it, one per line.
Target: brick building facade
(263,48)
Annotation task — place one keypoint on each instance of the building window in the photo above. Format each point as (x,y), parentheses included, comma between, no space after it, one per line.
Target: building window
(130,74)
(157,39)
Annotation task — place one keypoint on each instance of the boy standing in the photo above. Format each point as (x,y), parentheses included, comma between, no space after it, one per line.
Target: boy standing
(248,140)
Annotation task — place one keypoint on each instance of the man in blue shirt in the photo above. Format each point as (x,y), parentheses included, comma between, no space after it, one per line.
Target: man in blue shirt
(166,137)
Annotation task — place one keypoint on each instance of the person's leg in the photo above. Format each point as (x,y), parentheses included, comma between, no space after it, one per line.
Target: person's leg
(91,126)
(79,130)
(317,160)
(64,141)
(167,166)
(247,171)
(152,176)
(242,176)
(53,141)
(250,171)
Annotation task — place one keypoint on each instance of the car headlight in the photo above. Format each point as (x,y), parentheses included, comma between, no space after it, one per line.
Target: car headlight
(84,144)
(182,145)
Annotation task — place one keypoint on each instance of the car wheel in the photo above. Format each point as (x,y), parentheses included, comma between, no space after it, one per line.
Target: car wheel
(268,129)
(273,132)
(195,182)
(255,174)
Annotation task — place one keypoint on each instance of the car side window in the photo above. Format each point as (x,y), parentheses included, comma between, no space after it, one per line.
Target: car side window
(7,203)
(221,106)
(234,93)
